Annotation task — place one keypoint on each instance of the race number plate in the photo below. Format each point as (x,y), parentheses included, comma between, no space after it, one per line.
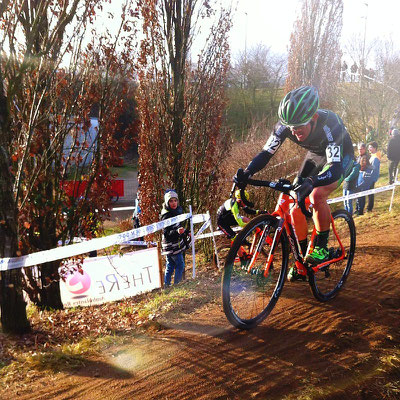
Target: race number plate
(333,153)
(272,144)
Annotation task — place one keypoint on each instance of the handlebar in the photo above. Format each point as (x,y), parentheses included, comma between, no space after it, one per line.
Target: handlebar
(282,185)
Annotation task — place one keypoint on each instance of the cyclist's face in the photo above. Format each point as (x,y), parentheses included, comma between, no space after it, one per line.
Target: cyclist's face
(173,203)
(301,132)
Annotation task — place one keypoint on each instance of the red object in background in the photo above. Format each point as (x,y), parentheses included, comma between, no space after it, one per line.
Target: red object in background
(117,185)
(77,188)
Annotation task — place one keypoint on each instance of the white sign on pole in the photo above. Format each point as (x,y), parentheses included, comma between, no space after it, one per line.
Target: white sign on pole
(106,279)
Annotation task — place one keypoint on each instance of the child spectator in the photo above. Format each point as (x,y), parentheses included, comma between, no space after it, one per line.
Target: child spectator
(136,212)
(364,182)
(393,154)
(350,186)
(174,239)
(376,164)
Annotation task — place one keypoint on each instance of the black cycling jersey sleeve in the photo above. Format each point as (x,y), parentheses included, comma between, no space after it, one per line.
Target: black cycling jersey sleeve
(259,162)
(274,141)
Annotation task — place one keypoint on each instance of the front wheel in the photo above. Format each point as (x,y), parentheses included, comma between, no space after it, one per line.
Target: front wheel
(251,285)
(327,282)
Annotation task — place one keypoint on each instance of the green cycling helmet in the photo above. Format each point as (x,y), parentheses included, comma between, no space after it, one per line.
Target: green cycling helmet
(298,106)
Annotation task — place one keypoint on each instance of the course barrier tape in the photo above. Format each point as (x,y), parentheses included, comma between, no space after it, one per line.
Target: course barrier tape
(364,193)
(128,236)
(72,250)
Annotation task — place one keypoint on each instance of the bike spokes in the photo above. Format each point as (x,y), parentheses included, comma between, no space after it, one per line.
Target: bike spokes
(251,283)
(330,276)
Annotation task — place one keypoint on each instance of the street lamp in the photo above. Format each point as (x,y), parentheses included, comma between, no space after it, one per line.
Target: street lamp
(363,47)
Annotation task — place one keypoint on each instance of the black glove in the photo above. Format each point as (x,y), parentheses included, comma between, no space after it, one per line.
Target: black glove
(304,190)
(241,178)
(297,182)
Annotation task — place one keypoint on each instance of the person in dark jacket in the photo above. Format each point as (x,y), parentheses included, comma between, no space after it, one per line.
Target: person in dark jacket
(393,154)
(375,161)
(173,239)
(350,186)
(365,180)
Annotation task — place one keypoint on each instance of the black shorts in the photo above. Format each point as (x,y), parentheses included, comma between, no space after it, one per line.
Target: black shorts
(314,164)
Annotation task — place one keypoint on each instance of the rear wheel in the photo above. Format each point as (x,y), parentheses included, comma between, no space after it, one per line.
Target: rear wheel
(249,296)
(327,282)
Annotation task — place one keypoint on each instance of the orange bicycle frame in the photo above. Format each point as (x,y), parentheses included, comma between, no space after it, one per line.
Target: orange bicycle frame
(282,212)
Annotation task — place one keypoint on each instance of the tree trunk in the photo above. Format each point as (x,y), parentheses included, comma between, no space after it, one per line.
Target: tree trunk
(13,306)
(50,296)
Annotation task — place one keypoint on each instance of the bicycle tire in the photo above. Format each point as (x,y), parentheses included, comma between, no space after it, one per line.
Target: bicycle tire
(248,298)
(326,283)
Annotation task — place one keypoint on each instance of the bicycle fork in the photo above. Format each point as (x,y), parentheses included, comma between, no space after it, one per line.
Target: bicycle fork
(273,243)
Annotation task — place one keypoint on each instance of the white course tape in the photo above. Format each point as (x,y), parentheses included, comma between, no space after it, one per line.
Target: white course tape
(127,208)
(364,193)
(203,228)
(124,237)
(85,247)
(200,218)
(217,233)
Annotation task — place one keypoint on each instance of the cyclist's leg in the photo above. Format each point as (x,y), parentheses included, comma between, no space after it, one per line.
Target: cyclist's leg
(312,164)
(300,223)
(322,212)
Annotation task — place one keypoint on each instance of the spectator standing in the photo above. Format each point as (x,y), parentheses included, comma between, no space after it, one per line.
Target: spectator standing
(344,71)
(174,239)
(393,154)
(136,212)
(364,182)
(350,186)
(353,70)
(370,134)
(362,149)
(375,161)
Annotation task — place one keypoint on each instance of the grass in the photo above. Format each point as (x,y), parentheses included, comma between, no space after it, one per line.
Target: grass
(65,351)
(124,172)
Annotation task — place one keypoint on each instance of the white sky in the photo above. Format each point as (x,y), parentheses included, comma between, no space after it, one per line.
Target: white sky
(271,21)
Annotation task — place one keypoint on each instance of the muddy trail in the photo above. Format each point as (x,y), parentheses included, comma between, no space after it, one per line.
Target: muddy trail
(344,349)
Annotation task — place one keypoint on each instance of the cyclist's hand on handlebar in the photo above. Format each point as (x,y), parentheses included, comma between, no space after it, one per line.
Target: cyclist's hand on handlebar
(241,177)
(297,182)
(303,190)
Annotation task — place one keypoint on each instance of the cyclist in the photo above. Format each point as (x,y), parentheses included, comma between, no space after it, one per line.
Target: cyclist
(228,214)
(328,161)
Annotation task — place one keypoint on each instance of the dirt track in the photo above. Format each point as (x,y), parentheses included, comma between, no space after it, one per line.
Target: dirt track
(329,351)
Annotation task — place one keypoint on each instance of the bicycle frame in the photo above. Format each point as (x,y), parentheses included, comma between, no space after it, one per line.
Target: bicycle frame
(282,212)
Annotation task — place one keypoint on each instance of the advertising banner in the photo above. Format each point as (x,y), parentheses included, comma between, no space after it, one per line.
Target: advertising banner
(111,278)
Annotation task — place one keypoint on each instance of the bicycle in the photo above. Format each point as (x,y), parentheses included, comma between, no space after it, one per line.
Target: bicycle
(253,281)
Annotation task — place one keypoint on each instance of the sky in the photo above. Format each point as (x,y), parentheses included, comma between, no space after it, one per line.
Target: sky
(270,22)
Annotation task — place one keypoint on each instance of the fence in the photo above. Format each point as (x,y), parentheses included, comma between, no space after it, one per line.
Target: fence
(125,237)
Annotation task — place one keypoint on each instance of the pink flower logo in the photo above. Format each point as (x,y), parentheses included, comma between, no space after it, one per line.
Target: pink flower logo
(78,283)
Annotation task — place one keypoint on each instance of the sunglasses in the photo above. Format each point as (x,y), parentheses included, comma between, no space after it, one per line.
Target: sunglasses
(294,127)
